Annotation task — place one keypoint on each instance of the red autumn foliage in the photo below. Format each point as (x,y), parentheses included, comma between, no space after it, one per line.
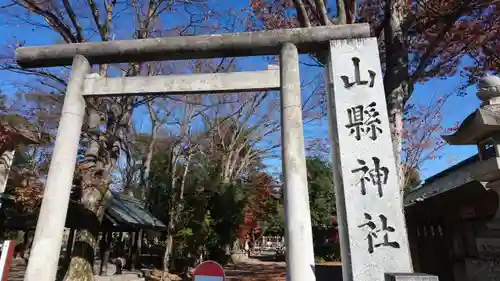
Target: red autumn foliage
(422,139)
(261,192)
(440,34)
(25,186)
(29,196)
(334,238)
(438,38)
(445,32)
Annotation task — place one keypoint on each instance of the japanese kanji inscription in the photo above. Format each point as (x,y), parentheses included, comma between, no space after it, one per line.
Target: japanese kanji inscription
(378,232)
(369,208)
(357,76)
(376,175)
(364,120)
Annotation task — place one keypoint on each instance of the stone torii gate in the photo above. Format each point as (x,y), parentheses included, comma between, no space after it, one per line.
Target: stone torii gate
(361,261)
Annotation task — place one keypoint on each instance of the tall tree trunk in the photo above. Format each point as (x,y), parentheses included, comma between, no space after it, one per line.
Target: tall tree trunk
(132,250)
(82,261)
(100,158)
(146,190)
(69,246)
(396,78)
(175,211)
(177,184)
(169,246)
(138,250)
(172,212)
(105,251)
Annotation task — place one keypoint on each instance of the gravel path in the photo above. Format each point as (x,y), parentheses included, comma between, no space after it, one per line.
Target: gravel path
(17,270)
(250,270)
(255,270)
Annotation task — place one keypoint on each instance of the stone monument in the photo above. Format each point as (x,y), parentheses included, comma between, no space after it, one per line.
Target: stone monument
(371,221)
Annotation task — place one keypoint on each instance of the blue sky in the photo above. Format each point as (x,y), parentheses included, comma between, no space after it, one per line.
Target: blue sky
(456,109)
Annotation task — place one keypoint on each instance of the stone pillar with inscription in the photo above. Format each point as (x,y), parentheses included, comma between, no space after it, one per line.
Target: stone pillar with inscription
(373,237)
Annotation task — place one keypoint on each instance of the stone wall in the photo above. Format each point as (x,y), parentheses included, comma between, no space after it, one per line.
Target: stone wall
(328,272)
(483,269)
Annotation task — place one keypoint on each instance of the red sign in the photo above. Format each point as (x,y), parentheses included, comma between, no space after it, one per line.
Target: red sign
(6,258)
(209,271)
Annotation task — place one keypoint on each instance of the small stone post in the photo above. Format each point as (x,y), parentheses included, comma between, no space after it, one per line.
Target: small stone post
(298,231)
(42,265)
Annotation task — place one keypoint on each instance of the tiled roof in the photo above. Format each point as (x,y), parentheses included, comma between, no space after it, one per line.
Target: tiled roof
(446,180)
(123,211)
(127,210)
(20,131)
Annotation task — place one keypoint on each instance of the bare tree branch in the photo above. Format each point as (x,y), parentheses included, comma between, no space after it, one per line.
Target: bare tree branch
(56,23)
(76,24)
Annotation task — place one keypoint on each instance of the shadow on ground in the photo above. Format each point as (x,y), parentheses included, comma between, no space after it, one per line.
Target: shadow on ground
(273,271)
(268,258)
(255,272)
(16,272)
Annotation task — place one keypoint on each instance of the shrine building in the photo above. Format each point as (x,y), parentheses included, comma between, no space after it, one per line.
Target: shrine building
(453,219)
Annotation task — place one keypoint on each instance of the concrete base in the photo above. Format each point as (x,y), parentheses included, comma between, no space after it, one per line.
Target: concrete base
(410,277)
(121,277)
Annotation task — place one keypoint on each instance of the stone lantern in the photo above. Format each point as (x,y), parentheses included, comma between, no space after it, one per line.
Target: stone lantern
(482,128)
(10,137)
